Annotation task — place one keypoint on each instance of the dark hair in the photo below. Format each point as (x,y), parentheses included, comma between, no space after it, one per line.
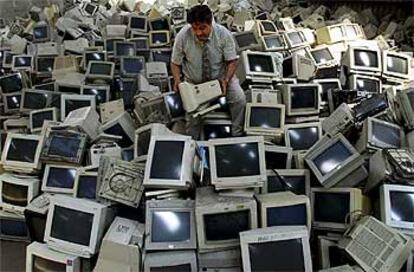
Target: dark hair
(200,14)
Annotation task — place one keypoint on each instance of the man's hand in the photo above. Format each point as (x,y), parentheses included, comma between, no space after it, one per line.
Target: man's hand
(175,86)
(224,83)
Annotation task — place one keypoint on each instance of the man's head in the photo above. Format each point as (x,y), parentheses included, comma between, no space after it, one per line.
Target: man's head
(200,17)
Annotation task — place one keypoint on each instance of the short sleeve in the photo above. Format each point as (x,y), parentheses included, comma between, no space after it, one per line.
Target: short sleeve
(177,55)
(229,51)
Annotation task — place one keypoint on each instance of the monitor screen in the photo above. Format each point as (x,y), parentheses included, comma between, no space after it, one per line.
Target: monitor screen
(265,117)
(101,69)
(294,184)
(260,63)
(268,26)
(322,56)
(64,146)
(276,160)
(13,101)
(289,256)
(140,43)
(159,38)
(161,56)
(225,226)
(167,160)
(125,49)
(63,227)
(22,150)
(331,207)
(246,39)
(332,157)
(14,194)
(173,268)
(13,227)
(216,131)
(237,160)
(35,101)
(303,138)
(175,105)
(69,89)
(23,61)
(73,104)
(402,206)
(368,85)
(397,64)
(170,226)
(385,134)
(100,94)
(286,215)
(41,264)
(10,84)
(273,42)
(87,187)
(110,44)
(138,23)
(133,65)
(90,9)
(160,24)
(95,56)
(295,38)
(117,129)
(143,142)
(40,117)
(365,58)
(40,32)
(304,97)
(45,65)
(61,177)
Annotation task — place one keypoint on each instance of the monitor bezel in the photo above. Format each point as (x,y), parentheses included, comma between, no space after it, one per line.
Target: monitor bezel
(89,75)
(173,206)
(5,63)
(49,189)
(186,163)
(41,250)
(289,172)
(150,39)
(385,55)
(302,111)
(22,166)
(23,68)
(96,8)
(145,30)
(170,258)
(126,74)
(84,97)
(264,131)
(274,234)
(33,112)
(32,191)
(83,172)
(304,125)
(281,149)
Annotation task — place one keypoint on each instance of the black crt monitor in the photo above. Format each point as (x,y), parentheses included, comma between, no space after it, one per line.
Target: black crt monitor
(290,256)
(382,133)
(397,64)
(265,117)
(174,105)
(39,117)
(260,63)
(303,138)
(280,183)
(234,160)
(62,227)
(11,83)
(168,157)
(368,85)
(41,33)
(45,64)
(74,104)
(101,69)
(13,101)
(159,24)
(101,94)
(22,150)
(321,56)
(287,67)
(366,58)
(14,194)
(87,187)
(124,49)
(331,207)
(117,129)
(290,215)
(225,226)
(162,230)
(215,131)
(61,177)
(64,146)
(133,65)
(332,157)
(304,97)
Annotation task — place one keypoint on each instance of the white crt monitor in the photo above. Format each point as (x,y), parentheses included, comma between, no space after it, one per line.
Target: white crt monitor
(82,238)
(284,209)
(295,38)
(143,136)
(301,137)
(246,40)
(274,42)
(331,207)
(365,83)
(264,119)
(237,160)
(59,179)
(40,258)
(323,56)
(100,70)
(363,60)
(339,33)
(396,65)
(259,64)
(16,193)
(37,117)
(185,260)
(169,162)
(397,202)
(281,248)
(296,181)
(302,99)
(170,225)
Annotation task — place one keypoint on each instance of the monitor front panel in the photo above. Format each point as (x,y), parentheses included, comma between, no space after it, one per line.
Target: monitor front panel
(260,63)
(170,226)
(167,160)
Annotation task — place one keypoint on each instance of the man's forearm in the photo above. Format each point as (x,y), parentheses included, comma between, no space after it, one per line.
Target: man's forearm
(176,72)
(230,70)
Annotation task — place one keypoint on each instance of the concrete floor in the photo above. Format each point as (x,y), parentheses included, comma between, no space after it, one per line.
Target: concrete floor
(12,256)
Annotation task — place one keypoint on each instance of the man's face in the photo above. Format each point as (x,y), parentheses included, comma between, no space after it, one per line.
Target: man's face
(201,30)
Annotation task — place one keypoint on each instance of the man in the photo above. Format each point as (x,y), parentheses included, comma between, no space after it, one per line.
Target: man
(206,51)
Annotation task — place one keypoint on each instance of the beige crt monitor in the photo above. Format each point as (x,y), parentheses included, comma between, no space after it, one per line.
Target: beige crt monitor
(193,96)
